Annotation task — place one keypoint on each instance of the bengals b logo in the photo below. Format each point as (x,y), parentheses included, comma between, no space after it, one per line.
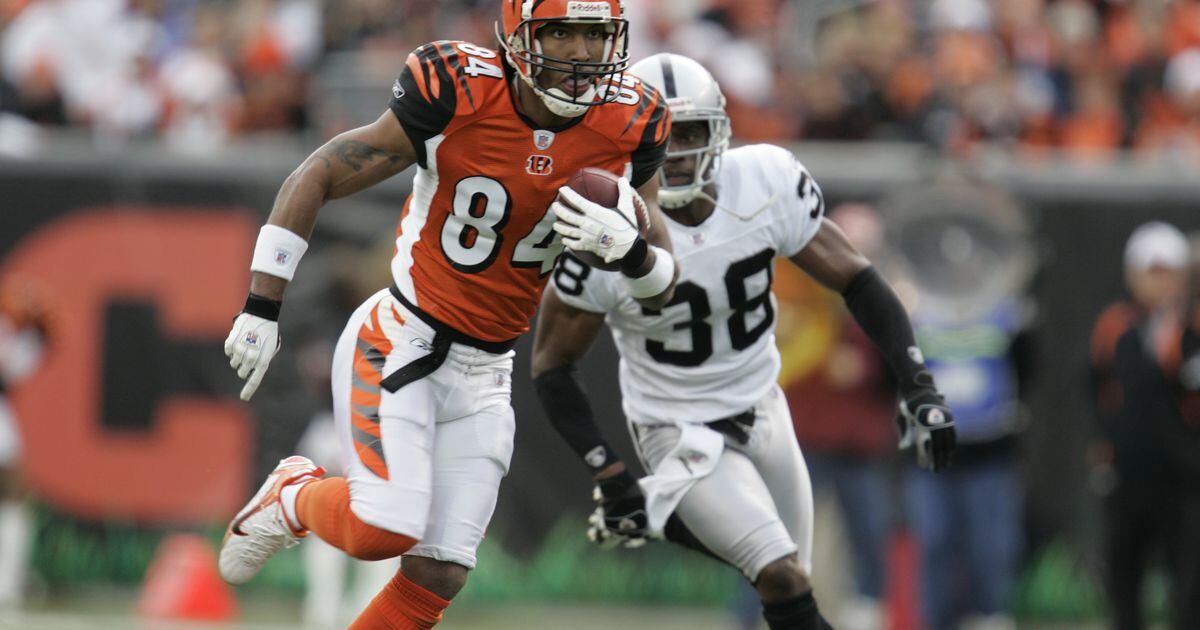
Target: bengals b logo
(539,165)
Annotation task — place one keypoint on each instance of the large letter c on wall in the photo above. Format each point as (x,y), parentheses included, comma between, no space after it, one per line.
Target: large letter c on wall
(131,416)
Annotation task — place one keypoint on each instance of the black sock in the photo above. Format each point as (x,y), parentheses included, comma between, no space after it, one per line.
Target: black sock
(798,613)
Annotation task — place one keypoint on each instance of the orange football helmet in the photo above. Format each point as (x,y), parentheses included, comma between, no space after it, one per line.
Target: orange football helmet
(523,18)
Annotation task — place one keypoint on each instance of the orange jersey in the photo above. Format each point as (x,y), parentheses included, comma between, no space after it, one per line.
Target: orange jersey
(475,245)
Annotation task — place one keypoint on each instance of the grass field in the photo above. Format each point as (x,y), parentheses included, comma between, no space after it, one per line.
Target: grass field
(547,617)
(504,618)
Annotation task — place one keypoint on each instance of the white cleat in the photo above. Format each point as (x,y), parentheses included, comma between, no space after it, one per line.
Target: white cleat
(261,529)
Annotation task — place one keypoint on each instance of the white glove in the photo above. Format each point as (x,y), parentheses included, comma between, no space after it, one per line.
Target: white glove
(588,226)
(251,345)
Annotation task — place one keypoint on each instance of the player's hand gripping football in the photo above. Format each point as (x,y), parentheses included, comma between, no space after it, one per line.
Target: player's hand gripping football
(251,345)
(588,226)
(620,519)
(927,424)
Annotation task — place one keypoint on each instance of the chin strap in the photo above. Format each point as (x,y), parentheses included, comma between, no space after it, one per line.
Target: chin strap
(560,107)
(706,197)
(751,215)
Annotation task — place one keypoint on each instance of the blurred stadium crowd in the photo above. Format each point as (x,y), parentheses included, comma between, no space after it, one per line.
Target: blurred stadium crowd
(1087,76)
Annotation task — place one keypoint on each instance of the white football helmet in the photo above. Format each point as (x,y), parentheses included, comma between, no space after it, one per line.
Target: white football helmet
(693,95)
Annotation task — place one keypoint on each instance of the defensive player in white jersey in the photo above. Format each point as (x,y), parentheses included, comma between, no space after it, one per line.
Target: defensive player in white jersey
(698,377)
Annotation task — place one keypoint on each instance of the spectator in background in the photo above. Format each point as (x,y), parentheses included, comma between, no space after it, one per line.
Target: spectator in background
(1186,450)
(1174,123)
(22,339)
(1088,77)
(1135,353)
(199,87)
(85,62)
(843,415)
(278,40)
(979,348)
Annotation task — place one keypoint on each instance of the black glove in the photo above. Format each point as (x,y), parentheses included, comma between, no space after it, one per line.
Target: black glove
(620,519)
(927,423)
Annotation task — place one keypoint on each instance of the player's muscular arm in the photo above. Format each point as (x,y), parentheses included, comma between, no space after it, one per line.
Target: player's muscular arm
(563,336)
(830,258)
(925,420)
(350,162)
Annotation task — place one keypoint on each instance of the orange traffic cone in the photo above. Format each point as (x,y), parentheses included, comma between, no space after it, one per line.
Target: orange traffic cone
(182,582)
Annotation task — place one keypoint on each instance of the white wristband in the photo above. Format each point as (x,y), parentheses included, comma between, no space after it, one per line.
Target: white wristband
(659,278)
(278,252)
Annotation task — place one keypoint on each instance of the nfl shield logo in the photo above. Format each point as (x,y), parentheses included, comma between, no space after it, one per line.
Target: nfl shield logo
(282,256)
(542,139)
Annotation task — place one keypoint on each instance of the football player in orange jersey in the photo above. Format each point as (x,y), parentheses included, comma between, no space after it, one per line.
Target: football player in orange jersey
(421,383)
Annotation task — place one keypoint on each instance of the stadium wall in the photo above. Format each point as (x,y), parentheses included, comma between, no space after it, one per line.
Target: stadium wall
(142,257)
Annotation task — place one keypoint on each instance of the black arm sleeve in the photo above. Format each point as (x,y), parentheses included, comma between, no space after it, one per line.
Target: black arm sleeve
(425,96)
(882,317)
(566,404)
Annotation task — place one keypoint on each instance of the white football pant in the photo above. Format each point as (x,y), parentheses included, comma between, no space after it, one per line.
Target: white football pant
(756,506)
(427,460)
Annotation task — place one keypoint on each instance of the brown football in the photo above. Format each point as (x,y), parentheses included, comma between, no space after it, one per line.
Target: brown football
(600,186)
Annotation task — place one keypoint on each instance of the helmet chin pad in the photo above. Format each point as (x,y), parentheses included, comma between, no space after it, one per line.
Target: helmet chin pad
(707,165)
(558,101)
(678,197)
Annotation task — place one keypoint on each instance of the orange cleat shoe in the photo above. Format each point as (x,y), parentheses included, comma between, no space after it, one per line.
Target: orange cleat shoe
(261,528)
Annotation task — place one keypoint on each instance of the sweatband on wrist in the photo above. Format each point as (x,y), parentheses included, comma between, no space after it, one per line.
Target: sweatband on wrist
(263,307)
(883,318)
(570,412)
(657,280)
(278,252)
(635,257)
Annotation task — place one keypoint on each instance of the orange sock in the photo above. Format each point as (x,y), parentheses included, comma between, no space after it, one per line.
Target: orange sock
(401,605)
(324,507)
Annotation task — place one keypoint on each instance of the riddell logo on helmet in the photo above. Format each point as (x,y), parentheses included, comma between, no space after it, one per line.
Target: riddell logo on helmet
(588,10)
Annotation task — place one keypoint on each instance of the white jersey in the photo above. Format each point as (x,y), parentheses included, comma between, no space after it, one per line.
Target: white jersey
(710,353)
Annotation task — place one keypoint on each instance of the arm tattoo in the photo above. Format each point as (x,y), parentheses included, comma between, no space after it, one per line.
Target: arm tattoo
(356,154)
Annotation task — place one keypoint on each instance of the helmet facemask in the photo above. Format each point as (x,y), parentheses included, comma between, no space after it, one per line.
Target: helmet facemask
(708,156)
(524,53)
